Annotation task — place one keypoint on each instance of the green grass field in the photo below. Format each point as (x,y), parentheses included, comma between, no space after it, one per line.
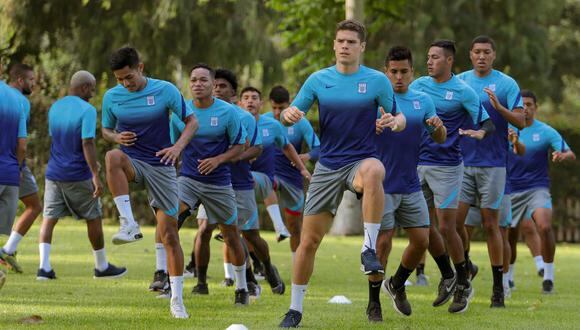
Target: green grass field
(76,301)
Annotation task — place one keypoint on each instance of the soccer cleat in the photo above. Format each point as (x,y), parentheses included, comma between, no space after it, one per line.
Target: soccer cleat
(369,263)
(472,270)
(512,285)
(242,297)
(2,279)
(547,287)
(374,312)
(112,271)
(189,271)
(422,280)
(399,297)
(254,289)
(160,281)
(291,319)
(446,290)
(461,299)
(200,288)
(10,261)
(282,234)
(541,273)
(42,275)
(178,310)
(259,271)
(128,232)
(219,237)
(227,282)
(275,281)
(507,292)
(497,298)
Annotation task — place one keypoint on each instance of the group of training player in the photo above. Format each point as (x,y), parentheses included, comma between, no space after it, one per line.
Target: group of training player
(460,151)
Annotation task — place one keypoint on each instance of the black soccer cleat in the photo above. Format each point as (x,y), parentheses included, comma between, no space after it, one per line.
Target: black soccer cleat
(242,297)
(291,319)
(42,275)
(547,287)
(227,282)
(472,270)
(200,288)
(399,297)
(497,298)
(460,303)
(111,272)
(369,263)
(160,281)
(374,312)
(219,237)
(541,273)
(445,291)
(275,281)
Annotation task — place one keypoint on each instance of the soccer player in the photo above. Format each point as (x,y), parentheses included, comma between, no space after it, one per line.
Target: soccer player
(205,176)
(12,152)
(530,181)
(135,115)
(405,205)
(22,79)
(441,167)
(348,95)
(485,160)
(289,181)
(72,185)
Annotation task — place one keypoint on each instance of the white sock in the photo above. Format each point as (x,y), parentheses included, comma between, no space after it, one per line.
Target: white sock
(160,257)
(539,262)
(505,279)
(276,216)
(549,271)
(240,276)
(229,270)
(44,249)
(512,271)
(12,242)
(124,207)
(176,283)
(297,299)
(101,262)
(371,234)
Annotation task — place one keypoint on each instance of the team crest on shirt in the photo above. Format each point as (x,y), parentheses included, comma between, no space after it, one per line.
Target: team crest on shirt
(416,105)
(449,95)
(491,87)
(150,100)
(213,121)
(535,137)
(362,87)
(290,130)
(265,132)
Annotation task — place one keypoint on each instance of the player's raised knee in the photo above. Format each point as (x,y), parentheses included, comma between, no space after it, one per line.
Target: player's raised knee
(114,157)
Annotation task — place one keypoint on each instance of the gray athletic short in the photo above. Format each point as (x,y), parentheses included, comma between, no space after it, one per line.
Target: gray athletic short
(524,203)
(263,186)
(28,184)
(63,199)
(160,183)
(473,218)
(483,184)
(8,208)
(247,210)
(327,187)
(219,201)
(441,185)
(290,197)
(405,210)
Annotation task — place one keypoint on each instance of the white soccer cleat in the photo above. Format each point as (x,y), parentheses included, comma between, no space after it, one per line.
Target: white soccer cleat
(178,310)
(128,233)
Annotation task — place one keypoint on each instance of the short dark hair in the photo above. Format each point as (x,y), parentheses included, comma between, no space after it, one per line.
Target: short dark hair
(447,45)
(229,76)
(122,57)
(399,53)
(18,70)
(203,66)
(352,25)
(483,39)
(251,89)
(279,94)
(530,94)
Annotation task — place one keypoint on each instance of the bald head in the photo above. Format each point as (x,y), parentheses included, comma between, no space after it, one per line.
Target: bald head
(82,84)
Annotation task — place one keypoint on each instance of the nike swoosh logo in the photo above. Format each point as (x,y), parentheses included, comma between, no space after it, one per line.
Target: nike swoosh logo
(375,286)
(329,86)
(448,289)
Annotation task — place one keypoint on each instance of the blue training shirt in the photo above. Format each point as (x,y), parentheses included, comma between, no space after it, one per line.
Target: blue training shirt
(70,120)
(273,136)
(241,173)
(531,170)
(347,107)
(399,151)
(13,127)
(454,101)
(24,102)
(146,113)
(219,127)
(492,150)
(298,133)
